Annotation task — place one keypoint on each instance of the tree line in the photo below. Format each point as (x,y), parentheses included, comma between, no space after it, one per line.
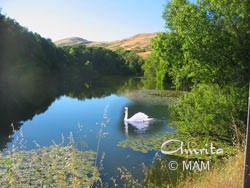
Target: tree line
(28,61)
(33,71)
(102,61)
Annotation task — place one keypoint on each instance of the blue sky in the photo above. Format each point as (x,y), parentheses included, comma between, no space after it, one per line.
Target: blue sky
(96,20)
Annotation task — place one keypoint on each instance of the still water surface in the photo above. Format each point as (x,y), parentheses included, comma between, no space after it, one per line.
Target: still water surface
(86,119)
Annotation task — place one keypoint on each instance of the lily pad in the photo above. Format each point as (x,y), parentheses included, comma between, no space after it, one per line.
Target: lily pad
(163,97)
(54,166)
(202,145)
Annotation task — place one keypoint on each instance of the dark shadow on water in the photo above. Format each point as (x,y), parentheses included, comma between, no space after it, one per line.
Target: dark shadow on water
(22,104)
(18,105)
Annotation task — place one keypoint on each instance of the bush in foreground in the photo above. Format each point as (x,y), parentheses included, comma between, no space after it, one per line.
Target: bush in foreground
(209,110)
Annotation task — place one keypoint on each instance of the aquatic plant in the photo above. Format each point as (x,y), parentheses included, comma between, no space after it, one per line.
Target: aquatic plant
(152,97)
(53,166)
(58,165)
(146,144)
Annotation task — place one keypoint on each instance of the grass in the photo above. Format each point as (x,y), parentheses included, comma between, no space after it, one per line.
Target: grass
(225,170)
(226,174)
(53,166)
(137,43)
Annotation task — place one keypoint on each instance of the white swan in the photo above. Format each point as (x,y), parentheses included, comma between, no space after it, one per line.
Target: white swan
(138,117)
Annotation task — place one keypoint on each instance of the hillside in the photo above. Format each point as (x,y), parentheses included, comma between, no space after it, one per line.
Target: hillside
(138,43)
(71,41)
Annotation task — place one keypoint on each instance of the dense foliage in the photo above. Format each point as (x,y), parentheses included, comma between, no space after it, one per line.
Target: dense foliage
(132,60)
(104,61)
(206,42)
(27,60)
(31,66)
(212,111)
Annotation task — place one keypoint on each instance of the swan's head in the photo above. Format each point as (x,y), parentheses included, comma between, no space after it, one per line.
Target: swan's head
(125,109)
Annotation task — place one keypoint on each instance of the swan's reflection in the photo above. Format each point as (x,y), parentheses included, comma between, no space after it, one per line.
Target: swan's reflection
(140,126)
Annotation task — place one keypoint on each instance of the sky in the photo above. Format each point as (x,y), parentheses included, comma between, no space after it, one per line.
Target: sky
(94,20)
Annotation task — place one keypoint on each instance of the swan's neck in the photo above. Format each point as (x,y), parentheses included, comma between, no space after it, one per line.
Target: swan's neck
(126,116)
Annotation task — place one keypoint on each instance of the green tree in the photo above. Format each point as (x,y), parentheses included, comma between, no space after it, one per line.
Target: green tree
(205,42)
(132,60)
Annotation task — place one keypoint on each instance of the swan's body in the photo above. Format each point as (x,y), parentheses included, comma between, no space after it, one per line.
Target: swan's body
(138,117)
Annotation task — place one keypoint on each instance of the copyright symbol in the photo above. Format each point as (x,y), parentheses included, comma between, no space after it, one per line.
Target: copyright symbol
(172,165)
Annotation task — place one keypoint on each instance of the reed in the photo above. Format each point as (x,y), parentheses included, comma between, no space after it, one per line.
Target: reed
(58,165)
(227,174)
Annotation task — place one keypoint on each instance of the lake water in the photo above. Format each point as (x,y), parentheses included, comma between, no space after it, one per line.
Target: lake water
(97,119)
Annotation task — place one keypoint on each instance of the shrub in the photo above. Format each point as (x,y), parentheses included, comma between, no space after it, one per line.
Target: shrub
(211,111)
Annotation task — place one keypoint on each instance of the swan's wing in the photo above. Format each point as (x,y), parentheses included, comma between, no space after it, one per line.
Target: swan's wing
(138,117)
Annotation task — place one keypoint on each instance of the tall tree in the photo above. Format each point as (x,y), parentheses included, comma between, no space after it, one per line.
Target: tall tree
(205,42)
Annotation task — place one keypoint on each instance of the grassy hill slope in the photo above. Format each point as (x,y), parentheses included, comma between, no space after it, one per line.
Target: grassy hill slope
(138,43)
